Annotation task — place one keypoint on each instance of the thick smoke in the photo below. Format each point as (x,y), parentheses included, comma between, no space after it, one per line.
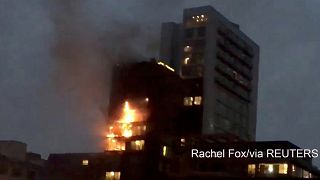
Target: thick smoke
(89,39)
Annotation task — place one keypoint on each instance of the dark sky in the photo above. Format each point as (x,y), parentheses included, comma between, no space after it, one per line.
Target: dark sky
(56,55)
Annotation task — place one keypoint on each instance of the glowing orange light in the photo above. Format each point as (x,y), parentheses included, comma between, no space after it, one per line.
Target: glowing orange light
(126,126)
(129,115)
(127,133)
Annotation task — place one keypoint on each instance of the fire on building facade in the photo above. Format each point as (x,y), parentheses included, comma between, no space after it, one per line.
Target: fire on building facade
(201,94)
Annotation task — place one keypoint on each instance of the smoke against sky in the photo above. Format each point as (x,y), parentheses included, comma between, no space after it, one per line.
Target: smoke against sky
(56,57)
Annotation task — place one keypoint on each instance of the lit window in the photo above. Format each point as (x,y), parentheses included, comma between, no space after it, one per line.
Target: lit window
(164,151)
(197,100)
(270,168)
(306,174)
(274,168)
(85,162)
(112,175)
(188,101)
(183,142)
(115,145)
(186,60)
(283,169)
(201,18)
(137,145)
(251,169)
(293,168)
(187,49)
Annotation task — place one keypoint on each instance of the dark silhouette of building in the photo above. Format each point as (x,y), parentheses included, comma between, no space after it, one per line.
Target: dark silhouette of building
(16,163)
(83,166)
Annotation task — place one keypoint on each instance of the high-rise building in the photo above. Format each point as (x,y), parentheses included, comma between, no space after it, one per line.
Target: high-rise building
(159,117)
(208,48)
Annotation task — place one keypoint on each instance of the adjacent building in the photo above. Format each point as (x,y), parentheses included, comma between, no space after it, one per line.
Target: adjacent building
(18,164)
(208,48)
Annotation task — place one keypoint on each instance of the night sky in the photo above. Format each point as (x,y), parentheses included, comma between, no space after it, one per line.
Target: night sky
(56,57)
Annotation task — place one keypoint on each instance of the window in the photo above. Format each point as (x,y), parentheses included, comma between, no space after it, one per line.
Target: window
(306,174)
(85,162)
(201,31)
(197,58)
(164,151)
(182,142)
(270,168)
(186,60)
(283,169)
(188,101)
(187,49)
(273,168)
(4,168)
(32,175)
(112,175)
(251,169)
(16,172)
(189,33)
(115,145)
(137,145)
(197,100)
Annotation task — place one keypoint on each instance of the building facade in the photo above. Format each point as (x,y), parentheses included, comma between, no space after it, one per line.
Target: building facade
(208,47)
(18,164)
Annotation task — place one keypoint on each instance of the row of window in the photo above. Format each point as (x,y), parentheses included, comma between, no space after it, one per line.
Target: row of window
(196,21)
(277,168)
(113,175)
(232,102)
(193,70)
(226,33)
(198,32)
(231,86)
(227,112)
(234,75)
(15,171)
(110,175)
(234,51)
(114,144)
(234,63)
(237,127)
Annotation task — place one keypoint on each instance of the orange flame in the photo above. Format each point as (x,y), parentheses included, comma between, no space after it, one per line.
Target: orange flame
(124,127)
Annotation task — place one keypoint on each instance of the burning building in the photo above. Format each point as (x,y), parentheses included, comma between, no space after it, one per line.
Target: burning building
(145,105)
(157,113)
(131,124)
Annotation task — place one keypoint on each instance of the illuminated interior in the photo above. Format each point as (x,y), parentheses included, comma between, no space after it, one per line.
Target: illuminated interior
(131,123)
(200,18)
(251,169)
(190,101)
(197,20)
(85,162)
(112,175)
(137,145)
(276,168)
(114,144)
(197,100)
(182,142)
(164,151)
